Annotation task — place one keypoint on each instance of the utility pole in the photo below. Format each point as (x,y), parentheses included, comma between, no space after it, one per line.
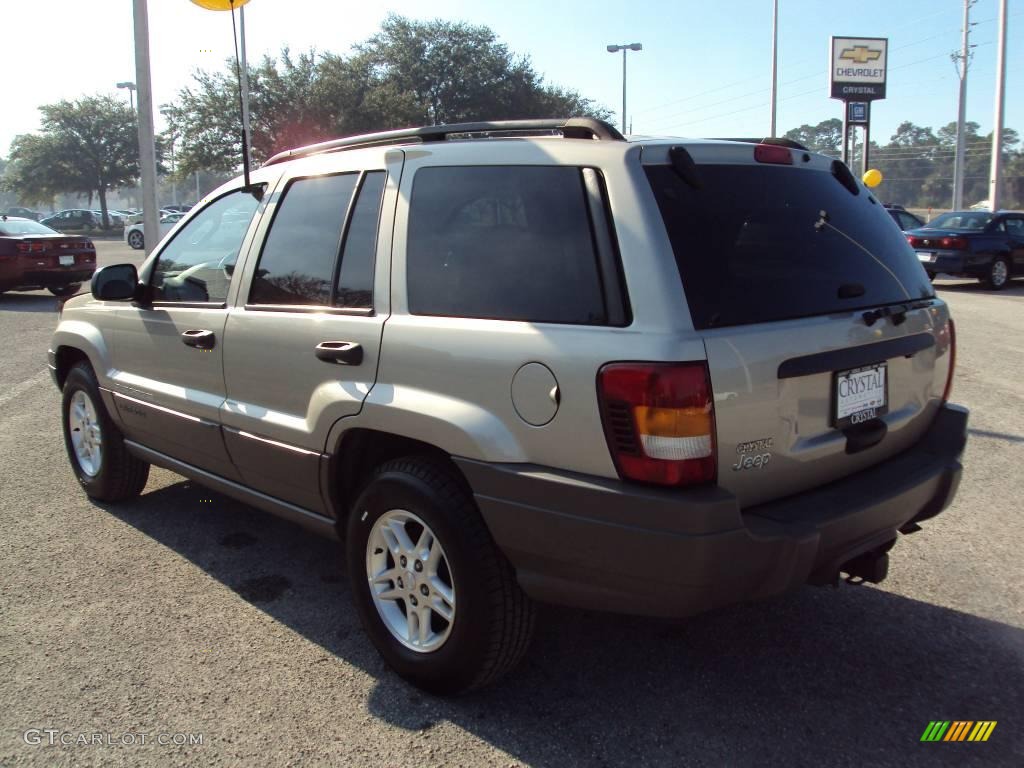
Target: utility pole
(147,143)
(995,177)
(775,64)
(963,59)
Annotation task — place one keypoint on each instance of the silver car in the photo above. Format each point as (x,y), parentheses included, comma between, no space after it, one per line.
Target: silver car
(517,362)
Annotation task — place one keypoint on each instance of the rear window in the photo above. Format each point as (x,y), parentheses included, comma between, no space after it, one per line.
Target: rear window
(758,244)
(26,227)
(968,221)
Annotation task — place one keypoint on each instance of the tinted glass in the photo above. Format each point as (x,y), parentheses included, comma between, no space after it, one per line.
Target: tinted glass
(26,227)
(196,266)
(961,220)
(1015,226)
(510,243)
(297,263)
(355,281)
(752,246)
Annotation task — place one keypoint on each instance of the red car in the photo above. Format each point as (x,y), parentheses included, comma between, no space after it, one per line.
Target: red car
(33,256)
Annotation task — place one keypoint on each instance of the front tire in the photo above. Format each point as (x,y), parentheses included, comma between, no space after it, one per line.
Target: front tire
(998,276)
(99,458)
(66,290)
(136,239)
(436,596)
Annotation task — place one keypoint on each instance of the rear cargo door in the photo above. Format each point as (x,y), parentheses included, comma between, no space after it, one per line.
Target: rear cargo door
(827,348)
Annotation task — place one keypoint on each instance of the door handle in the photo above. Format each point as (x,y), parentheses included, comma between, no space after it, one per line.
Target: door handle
(340,352)
(199,339)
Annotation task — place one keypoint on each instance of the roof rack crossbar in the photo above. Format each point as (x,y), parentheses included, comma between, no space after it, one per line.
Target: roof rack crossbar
(573,128)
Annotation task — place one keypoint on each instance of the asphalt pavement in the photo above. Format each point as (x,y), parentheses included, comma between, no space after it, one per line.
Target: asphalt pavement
(218,635)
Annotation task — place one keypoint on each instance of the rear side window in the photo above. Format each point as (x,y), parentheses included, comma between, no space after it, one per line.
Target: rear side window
(355,278)
(759,243)
(503,242)
(296,266)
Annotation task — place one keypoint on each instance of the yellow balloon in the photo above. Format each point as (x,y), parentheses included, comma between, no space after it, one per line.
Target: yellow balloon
(872,178)
(220,5)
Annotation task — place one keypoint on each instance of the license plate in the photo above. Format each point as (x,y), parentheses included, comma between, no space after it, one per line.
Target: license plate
(860,395)
(925,256)
(66,261)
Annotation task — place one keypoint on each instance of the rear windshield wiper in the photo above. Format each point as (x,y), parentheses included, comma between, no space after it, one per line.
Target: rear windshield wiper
(897,312)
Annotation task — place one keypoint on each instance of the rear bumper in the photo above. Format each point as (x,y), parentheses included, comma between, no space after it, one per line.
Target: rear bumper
(605,545)
(47,278)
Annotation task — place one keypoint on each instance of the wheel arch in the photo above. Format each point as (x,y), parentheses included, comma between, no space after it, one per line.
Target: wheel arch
(359,451)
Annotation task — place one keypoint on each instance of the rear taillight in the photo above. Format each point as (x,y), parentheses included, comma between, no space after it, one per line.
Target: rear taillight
(945,243)
(28,249)
(773,153)
(659,421)
(950,332)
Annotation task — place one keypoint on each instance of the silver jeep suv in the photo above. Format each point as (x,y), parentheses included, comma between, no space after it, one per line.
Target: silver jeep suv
(532,361)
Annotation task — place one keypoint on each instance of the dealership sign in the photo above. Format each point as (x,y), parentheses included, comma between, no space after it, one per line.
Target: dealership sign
(858,68)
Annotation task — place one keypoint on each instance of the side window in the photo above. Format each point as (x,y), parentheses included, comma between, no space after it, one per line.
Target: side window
(355,279)
(196,266)
(1015,227)
(296,266)
(503,242)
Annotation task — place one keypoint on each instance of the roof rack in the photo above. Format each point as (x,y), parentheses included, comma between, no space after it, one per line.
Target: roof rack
(573,128)
(768,140)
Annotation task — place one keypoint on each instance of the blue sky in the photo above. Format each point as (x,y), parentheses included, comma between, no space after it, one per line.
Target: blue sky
(704,70)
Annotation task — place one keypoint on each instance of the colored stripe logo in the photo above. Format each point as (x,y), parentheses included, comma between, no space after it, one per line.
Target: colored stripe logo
(958,730)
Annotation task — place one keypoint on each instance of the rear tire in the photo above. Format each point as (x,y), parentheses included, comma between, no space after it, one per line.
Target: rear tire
(491,618)
(66,290)
(136,240)
(99,458)
(998,276)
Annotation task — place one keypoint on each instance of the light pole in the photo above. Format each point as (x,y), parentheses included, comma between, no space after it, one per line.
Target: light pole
(131,92)
(624,49)
(775,65)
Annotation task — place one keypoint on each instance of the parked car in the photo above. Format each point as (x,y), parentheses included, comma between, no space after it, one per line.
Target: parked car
(903,218)
(134,234)
(24,213)
(33,256)
(136,218)
(980,244)
(73,219)
(536,363)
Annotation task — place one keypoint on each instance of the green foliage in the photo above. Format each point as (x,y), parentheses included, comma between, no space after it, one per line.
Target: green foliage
(410,73)
(85,146)
(917,163)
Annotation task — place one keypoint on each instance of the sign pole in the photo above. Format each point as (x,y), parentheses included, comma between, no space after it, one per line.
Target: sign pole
(867,142)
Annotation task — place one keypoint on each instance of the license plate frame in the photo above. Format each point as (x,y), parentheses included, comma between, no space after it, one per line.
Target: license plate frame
(66,260)
(850,409)
(928,256)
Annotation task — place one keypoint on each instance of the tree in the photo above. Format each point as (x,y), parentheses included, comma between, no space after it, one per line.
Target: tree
(409,73)
(86,146)
(825,137)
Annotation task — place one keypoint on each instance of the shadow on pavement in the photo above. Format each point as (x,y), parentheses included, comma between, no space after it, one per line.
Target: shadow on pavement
(28,302)
(822,677)
(1015,288)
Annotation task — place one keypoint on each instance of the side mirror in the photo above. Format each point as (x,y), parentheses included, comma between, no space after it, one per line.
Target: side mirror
(118,282)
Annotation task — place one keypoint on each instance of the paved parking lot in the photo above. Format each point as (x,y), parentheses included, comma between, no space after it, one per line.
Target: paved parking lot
(187,614)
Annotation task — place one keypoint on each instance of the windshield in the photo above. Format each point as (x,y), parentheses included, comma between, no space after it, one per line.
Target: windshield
(759,243)
(25,227)
(971,220)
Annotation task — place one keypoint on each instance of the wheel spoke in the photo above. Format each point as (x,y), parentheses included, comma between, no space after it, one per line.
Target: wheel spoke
(442,608)
(423,618)
(424,545)
(443,590)
(397,529)
(413,626)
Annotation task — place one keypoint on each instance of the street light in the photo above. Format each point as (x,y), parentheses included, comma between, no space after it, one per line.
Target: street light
(131,92)
(624,48)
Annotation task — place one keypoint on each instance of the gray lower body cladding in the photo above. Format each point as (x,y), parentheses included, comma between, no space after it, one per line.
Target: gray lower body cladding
(605,545)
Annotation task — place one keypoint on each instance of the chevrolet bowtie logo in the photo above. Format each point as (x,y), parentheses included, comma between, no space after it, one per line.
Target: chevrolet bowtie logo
(860,54)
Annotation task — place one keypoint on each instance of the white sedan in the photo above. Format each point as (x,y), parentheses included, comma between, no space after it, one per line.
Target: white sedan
(133,234)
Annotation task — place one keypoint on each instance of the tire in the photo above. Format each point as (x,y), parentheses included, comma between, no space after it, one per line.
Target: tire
(998,276)
(111,473)
(66,290)
(136,239)
(491,618)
